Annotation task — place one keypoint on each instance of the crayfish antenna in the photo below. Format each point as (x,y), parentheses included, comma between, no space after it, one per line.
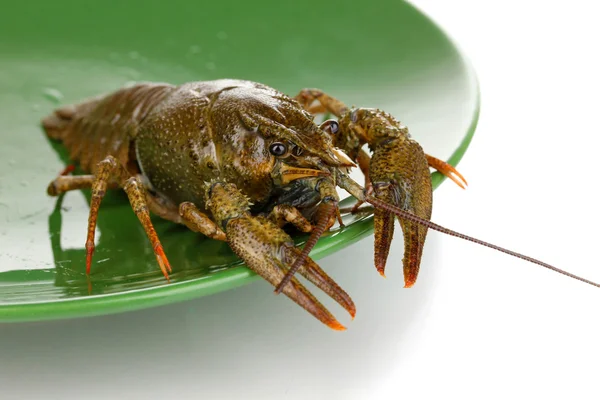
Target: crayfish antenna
(326,211)
(411,217)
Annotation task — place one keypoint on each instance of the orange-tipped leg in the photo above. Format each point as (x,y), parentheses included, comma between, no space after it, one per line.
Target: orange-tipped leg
(448,170)
(106,170)
(135,191)
(163,263)
(110,173)
(89,252)
(68,169)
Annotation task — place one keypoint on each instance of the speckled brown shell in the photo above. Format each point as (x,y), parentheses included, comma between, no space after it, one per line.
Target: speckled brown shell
(181,137)
(197,135)
(105,125)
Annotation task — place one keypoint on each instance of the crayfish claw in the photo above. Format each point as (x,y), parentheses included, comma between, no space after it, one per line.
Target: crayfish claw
(400,176)
(398,173)
(270,252)
(311,271)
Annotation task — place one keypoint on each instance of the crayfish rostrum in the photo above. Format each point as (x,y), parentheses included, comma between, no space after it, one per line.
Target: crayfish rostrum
(236,160)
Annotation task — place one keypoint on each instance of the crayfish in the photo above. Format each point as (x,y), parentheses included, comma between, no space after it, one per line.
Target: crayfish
(237,160)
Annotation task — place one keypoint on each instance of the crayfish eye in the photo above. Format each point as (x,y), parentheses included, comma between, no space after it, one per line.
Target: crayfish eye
(331,126)
(278,149)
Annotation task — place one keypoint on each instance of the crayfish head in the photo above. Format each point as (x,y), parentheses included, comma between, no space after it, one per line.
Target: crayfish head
(304,151)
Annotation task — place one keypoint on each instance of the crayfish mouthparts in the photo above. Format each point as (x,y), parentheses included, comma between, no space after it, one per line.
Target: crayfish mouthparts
(285,173)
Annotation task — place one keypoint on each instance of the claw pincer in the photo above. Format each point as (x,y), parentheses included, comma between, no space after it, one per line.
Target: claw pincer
(270,252)
(399,175)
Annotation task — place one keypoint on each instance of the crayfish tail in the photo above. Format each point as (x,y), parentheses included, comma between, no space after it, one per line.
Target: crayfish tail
(56,124)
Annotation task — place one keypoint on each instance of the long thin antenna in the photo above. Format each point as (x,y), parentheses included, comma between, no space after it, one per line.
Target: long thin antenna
(411,217)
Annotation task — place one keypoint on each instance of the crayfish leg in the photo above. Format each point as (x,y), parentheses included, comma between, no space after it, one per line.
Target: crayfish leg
(137,198)
(447,170)
(110,174)
(197,221)
(106,171)
(325,102)
(285,213)
(66,183)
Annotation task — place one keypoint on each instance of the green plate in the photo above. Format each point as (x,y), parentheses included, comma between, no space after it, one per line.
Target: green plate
(385,55)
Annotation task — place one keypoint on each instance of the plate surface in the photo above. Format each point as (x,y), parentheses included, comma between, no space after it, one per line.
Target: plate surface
(386,55)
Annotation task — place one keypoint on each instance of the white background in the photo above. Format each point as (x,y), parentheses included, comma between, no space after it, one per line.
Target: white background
(478,325)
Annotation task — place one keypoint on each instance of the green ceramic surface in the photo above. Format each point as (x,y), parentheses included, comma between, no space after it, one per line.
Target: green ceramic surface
(385,54)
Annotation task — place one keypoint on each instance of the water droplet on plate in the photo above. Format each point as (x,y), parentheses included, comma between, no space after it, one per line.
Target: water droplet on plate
(54,95)
(195,49)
